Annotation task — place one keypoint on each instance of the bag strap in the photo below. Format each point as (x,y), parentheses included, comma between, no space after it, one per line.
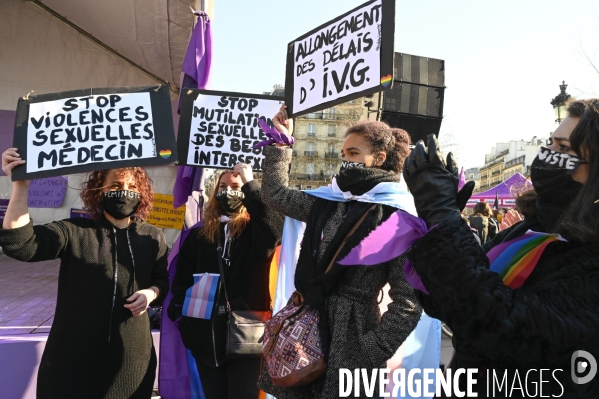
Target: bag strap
(358,223)
(219,255)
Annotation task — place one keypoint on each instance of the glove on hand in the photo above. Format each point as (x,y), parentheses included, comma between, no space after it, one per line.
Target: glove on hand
(434,183)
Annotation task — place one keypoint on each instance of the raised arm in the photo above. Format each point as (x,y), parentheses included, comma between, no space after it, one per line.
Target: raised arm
(17,213)
(275,181)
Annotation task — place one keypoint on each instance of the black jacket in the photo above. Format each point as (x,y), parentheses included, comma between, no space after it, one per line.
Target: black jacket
(247,276)
(538,326)
(79,360)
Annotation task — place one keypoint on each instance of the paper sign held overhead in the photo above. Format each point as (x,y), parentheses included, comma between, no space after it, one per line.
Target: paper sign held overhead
(218,129)
(346,58)
(84,130)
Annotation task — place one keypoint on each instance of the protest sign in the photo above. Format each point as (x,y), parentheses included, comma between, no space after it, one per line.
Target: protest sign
(84,130)
(218,129)
(346,58)
(163,215)
(47,193)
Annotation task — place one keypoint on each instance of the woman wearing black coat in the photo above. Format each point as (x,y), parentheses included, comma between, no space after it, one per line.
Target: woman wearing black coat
(111,268)
(531,335)
(249,233)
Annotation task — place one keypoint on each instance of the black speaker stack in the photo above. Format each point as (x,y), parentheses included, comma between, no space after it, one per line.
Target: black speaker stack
(415,102)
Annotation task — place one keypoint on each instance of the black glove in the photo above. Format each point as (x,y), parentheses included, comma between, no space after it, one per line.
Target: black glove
(434,183)
(466,191)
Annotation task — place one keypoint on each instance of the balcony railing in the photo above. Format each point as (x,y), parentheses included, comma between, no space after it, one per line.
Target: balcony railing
(482,188)
(311,154)
(326,116)
(519,160)
(484,177)
(331,155)
(495,172)
(311,134)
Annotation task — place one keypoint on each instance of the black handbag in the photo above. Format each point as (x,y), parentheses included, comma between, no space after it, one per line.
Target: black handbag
(245,328)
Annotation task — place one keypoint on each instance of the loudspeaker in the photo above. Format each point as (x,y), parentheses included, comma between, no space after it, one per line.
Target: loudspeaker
(415,103)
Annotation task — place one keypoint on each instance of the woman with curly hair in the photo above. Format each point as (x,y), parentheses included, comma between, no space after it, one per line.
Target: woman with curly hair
(112,267)
(238,221)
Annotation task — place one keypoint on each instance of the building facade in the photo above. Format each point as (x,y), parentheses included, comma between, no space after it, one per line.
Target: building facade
(507,159)
(318,141)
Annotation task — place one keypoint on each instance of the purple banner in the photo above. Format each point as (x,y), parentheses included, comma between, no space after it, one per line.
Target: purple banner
(79,213)
(47,193)
(3,206)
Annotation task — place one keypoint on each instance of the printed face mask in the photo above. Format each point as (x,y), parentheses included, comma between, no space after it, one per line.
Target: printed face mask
(121,203)
(229,199)
(551,175)
(346,165)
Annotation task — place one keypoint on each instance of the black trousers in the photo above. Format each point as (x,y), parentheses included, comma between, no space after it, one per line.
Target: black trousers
(236,379)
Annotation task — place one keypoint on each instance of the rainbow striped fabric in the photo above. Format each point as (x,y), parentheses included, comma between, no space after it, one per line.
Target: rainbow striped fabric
(200,297)
(514,260)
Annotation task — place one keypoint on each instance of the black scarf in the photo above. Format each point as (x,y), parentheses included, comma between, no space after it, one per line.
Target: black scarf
(310,278)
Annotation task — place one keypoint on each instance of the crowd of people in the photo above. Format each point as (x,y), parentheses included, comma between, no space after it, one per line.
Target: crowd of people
(114,265)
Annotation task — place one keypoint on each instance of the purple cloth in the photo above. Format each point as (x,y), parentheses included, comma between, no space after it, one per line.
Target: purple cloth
(388,241)
(196,73)
(189,179)
(175,380)
(506,189)
(274,136)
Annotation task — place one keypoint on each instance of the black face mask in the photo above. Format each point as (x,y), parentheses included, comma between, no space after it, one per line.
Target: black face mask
(121,203)
(551,175)
(230,200)
(345,165)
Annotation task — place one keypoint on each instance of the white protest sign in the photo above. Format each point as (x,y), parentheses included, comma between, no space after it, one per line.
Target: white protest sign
(342,59)
(89,129)
(218,129)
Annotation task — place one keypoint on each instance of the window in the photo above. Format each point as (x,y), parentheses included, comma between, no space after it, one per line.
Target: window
(332,113)
(331,148)
(332,129)
(310,147)
(311,129)
(310,171)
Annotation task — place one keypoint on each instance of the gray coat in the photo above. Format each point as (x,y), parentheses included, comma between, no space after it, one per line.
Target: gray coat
(360,336)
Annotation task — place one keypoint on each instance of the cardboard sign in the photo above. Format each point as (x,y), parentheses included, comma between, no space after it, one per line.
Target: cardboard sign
(84,130)
(163,215)
(218,129)
(346,58)
(47,193)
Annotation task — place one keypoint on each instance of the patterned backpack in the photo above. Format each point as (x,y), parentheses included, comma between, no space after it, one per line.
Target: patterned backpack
(291,345)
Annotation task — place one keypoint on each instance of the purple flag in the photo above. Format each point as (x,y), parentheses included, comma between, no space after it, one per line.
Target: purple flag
(388,241)
(462,179)
(196,74)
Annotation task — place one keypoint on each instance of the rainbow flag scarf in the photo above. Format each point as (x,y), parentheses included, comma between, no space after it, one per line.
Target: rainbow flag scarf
(515,260)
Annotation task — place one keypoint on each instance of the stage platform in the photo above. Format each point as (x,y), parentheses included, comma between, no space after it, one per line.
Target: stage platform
(27,305)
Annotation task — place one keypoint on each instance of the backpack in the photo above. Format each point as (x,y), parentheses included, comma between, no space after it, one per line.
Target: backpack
(481,224)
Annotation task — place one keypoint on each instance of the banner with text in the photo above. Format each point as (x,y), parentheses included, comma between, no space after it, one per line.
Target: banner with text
(346,58)
(163,215)
(218,129)
(47,193)
(84,130)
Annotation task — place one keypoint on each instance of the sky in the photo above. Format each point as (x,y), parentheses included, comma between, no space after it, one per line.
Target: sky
(504,61)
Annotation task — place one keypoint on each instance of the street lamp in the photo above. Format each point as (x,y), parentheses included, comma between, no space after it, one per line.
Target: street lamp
(559,103)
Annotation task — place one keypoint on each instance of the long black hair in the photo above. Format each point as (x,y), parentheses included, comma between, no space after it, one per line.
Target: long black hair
(581,219)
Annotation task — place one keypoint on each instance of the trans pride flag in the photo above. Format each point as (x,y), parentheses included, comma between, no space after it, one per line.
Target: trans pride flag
(199,298)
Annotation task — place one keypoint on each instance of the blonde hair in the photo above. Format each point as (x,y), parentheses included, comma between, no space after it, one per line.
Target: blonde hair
(213,212)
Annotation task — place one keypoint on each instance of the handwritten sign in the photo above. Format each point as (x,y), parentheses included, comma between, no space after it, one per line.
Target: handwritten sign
(47,193)
(91,129)
(218,129)
(163,215)
(344,59)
